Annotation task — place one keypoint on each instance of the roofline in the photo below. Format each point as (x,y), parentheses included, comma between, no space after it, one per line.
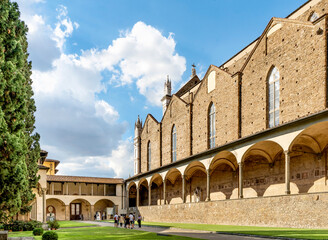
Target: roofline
(229,144)
(261,35)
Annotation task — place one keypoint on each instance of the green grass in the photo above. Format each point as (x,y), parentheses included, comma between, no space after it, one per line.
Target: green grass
(67,224)
(101,233)
(264,231)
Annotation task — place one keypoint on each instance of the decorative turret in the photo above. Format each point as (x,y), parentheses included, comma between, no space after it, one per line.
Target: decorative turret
(167,94)
(137,146)
(193,71)
(137,128)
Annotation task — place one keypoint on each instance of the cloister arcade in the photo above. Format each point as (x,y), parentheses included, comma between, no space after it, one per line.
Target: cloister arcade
(292,162)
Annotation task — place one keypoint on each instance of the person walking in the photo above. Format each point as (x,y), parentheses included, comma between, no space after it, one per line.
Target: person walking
(121,220)
(115,220)
(127,221)
(131,218)
(139,220)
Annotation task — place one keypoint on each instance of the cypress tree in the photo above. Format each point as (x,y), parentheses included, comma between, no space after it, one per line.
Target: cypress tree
(19,147)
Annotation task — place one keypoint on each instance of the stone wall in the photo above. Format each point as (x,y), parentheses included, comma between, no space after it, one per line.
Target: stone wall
(301,211)
(297,50)
(225,99)
(150,134)
(178,114)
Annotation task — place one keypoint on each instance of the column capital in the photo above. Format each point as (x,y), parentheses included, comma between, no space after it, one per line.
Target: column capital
(287,152)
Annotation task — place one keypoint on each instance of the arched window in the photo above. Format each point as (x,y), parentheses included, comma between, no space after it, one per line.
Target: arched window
(314,16)
(274,97)
(211,126)
(174,144)
(149,157)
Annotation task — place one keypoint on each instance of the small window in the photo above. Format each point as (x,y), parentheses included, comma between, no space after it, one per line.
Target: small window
(211,81)
(174,144)
(211,125)
(274,89)
(314,16)
(149,156)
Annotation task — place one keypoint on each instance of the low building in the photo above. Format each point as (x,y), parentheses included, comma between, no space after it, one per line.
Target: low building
(71,197)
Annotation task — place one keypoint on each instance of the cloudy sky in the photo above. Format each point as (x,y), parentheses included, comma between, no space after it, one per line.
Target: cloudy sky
(99,64)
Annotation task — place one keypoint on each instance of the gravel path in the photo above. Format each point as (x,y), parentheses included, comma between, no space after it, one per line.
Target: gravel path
(184,232)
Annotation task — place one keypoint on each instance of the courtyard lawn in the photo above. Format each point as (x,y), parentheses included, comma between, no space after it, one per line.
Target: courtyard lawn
(100,233)
(68,224)
(264,231)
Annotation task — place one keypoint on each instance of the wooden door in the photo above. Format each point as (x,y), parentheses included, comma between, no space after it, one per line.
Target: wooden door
(76,211)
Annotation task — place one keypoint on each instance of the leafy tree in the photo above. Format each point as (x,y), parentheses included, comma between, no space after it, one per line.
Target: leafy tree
(19,147)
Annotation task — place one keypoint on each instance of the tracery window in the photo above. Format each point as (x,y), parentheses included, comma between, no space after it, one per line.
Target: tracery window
(174,144)
(211,125)
(149,156)
(274,88)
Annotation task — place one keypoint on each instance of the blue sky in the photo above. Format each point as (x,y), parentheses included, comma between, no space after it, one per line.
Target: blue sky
(99,64)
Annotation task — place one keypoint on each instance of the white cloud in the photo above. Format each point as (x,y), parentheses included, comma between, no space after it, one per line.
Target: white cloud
(76,127)
(64,27)
(142,55)
(102,166)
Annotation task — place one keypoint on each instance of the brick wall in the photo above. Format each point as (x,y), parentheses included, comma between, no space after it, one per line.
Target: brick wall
(301,211)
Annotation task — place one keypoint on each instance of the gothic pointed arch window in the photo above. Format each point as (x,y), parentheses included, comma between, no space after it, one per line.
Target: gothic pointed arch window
(211,125)
(149,156)
(273,98)
(174,144)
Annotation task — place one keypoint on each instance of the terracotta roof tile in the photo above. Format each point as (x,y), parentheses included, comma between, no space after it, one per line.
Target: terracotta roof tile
(62,178)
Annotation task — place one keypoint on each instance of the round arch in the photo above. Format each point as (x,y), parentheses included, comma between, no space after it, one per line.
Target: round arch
(224,157)
(196,182)
(314,137)
(173,180)
(80,209)
(55,208)
(104,209)
(156,189)
(266,149)
(193,167)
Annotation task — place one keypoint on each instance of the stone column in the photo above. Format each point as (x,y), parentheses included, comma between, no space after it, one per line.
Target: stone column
(80,189)
(183,189)
(104,189)
(287,171)
(208,190)
(67,193)
(241,180)
(127,204)
(91,189)
(149,194)
(44,205)
(53,188)
(137,200)
(164,191)
(92,210)
(67,212)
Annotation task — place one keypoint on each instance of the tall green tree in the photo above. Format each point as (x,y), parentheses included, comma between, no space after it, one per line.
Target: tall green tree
(19,146)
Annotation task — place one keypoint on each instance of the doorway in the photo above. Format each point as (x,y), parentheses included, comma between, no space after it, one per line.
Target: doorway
(76,211)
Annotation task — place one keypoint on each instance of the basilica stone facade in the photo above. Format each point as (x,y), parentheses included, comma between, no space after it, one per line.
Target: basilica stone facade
(247,143)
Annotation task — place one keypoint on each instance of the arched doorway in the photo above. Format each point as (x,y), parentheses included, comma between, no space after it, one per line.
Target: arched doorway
(80,209)
(173,190)
(223,176)
(196,180)
(308,159)
(156,191)
(55,209)
(264,170)
(132,189)
(105,209)
(143,192)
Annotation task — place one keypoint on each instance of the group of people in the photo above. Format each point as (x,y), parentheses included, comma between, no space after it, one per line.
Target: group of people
(127,220)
